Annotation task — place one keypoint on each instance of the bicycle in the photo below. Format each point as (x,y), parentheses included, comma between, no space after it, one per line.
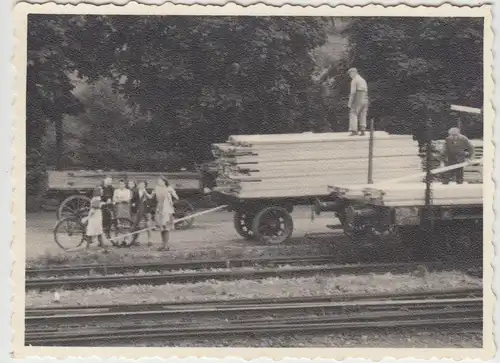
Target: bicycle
(74,228)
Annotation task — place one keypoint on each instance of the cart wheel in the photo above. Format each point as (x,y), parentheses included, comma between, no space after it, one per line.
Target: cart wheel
(72,205)
(69,233)
(119,227)
(243,224)
(183,209)
(272,225)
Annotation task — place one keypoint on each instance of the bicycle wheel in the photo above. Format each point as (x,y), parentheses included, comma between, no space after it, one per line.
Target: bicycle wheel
(69,233)
(119,227)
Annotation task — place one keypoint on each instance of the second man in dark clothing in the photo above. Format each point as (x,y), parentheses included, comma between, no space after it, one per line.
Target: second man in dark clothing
(457,149)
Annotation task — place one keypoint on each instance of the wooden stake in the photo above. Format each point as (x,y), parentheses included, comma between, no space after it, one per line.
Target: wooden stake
(370,154)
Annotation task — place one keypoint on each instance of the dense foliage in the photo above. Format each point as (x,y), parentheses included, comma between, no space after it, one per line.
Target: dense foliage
(154,92)
(417,67)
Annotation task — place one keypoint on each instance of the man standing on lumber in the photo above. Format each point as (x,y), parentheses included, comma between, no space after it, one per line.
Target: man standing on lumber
(358,103)
(457,149)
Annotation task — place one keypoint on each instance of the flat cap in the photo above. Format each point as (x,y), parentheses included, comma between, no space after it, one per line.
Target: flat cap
(352,70)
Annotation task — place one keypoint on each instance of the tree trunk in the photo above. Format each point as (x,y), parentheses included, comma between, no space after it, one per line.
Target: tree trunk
(59,143)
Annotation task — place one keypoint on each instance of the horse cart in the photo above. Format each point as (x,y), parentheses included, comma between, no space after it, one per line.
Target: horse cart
(74,189)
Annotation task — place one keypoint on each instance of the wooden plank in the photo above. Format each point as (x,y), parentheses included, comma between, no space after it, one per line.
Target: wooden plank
(306,138)
(330,145)
(306,191)
(306,167)
(466,109)
(309,136)
(330,174)
(293,183)
(415,192)
(85,180)
(441,202)
(294,155)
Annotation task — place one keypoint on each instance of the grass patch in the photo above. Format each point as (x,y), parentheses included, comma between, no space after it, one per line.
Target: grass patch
(144,254)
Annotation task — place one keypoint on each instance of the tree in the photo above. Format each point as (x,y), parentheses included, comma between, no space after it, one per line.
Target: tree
(191,81)
(203,78)
(418,66)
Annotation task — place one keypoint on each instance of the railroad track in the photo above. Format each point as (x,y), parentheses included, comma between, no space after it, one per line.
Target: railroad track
(111,312)
(107,269)
(458,308)
(231,274)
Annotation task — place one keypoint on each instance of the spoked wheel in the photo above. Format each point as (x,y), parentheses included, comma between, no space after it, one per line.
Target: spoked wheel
(243,224)
(69,233)
(120,227)
(272,225)
(183,209)
(71,205)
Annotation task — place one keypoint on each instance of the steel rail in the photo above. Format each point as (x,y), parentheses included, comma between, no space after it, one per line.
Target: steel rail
(386,305)
(429,294)
(34,272)
(423,312)
(400,319)
(234,274)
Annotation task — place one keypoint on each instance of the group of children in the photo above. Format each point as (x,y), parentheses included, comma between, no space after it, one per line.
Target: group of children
(132,201)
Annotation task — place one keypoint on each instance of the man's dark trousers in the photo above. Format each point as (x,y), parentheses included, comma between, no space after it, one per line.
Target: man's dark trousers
(458,174)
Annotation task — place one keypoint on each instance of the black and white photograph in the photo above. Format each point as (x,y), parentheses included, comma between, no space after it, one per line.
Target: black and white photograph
(256,180)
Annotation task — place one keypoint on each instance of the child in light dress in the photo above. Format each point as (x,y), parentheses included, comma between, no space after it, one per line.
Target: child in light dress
(121,198)
(94,219)
(164,215)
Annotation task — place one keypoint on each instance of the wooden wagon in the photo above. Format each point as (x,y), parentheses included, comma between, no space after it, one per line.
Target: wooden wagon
(74,188)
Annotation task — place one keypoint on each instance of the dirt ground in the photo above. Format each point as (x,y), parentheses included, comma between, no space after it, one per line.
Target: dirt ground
(213,231)
(383,338)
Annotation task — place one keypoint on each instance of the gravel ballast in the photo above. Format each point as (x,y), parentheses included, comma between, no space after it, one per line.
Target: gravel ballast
(267,288)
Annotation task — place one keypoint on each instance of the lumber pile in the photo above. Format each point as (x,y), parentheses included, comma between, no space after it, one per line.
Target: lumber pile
(298,165)
(413,194)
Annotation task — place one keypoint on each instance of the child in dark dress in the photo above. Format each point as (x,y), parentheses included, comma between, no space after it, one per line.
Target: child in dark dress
(141,207)
(107,209)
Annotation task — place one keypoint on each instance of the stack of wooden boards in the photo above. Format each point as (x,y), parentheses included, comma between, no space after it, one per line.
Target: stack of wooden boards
(413,194)
(301,165)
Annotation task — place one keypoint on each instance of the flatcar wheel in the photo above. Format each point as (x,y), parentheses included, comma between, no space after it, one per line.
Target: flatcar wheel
(73,205)
(346,227)
(183,209)
(243,224)
(272,225)
(69,233)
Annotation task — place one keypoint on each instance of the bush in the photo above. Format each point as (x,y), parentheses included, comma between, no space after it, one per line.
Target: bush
(36,180)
